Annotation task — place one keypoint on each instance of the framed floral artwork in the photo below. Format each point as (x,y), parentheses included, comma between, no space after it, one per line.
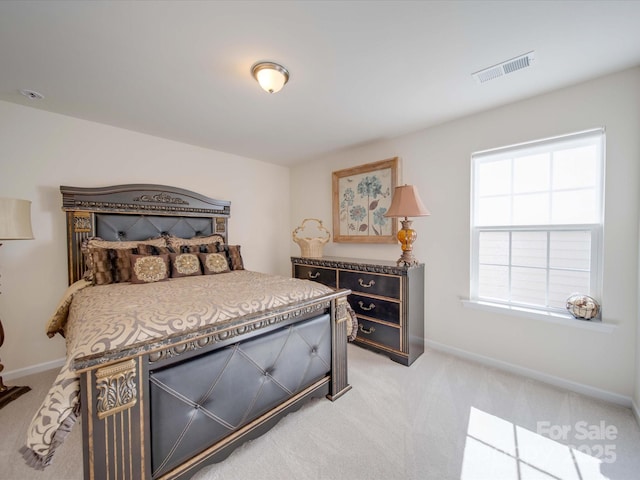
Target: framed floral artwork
(361,197)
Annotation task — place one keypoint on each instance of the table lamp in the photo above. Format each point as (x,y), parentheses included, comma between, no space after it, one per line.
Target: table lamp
(407,203)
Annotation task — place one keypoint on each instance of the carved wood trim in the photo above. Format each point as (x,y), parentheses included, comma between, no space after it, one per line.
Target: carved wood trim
(143,198)
(82,222)
(359,266)
(117,388)
(227,334)
(339,377)
(162,197)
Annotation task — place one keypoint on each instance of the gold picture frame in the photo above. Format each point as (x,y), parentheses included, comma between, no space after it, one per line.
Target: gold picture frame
(361,197)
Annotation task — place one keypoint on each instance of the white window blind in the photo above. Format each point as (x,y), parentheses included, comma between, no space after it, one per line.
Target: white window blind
(537,221)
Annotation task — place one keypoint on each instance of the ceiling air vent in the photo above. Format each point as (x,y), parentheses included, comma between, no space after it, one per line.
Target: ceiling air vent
(504,68)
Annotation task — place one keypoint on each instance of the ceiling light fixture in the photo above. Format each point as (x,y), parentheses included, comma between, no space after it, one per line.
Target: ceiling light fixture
(271,76)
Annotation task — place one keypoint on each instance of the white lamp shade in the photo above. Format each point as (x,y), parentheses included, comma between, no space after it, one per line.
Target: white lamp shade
(15,219)
(406,203)
(270,76)
(270,80)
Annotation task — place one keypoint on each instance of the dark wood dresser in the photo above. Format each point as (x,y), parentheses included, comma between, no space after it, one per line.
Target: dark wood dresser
(388,301)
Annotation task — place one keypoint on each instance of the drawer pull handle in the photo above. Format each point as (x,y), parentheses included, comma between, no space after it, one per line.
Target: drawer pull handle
(368,285)
(370,307)
(313,275)
(367,331)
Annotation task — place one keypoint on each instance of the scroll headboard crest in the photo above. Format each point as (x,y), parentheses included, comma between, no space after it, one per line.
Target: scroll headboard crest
(138,198)
(162,197)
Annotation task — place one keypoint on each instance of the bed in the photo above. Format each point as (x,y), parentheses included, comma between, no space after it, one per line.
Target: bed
(170,369)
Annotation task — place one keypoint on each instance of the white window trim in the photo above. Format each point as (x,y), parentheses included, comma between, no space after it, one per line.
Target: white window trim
(546,316)
(597,246)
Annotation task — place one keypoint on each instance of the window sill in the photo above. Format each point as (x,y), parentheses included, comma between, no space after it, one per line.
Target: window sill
(557,318)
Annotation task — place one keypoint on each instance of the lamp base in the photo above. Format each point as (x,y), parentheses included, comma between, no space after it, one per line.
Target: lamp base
(8,394)
(407,260)
(11,393)
(406,236)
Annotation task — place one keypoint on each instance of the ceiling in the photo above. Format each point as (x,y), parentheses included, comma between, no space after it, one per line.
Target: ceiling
(360,70)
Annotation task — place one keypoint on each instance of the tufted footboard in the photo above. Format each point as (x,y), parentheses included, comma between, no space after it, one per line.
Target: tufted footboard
(167,409)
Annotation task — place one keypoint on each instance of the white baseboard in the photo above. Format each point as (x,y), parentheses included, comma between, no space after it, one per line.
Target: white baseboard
(536,375)
(636,412)
(41,367)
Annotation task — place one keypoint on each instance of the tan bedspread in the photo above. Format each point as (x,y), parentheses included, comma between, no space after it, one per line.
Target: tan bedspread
(107,317)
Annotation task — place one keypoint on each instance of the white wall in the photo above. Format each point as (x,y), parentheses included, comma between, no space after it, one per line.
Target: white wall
(437,160)
(39,151)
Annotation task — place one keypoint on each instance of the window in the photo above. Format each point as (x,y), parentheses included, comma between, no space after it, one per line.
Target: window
(537,222)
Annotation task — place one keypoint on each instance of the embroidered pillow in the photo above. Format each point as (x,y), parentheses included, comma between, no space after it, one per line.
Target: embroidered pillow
(214,263)
(149,268)
(185,264)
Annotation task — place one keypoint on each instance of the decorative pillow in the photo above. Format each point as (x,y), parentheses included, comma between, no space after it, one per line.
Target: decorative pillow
(201,248)
(149,268)
(146,249)
(101,273)
(98,243)
(183,244)
(121,263)
(234,256)
(185,264)
(214,263)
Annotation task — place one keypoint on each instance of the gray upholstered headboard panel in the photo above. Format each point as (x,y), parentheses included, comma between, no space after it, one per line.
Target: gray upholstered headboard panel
(137,212)
(140,227)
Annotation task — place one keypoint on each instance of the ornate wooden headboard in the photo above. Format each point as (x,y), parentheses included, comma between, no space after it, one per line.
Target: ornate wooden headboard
(137,212)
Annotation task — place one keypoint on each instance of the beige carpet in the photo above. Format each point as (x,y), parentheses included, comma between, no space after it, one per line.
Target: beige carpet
(442,418)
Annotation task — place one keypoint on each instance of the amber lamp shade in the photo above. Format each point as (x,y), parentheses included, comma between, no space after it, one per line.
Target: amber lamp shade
(407,203)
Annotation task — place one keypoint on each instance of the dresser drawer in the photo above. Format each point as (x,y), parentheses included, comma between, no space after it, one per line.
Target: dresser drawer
(325,276)
(375,308)
(384,285)
(378,333)
(387,298)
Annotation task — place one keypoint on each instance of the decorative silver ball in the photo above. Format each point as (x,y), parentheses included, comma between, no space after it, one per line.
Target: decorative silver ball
(583,307)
